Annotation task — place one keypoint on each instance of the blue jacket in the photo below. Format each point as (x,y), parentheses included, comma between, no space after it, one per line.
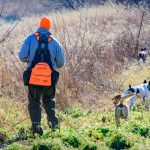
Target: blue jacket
(30,45)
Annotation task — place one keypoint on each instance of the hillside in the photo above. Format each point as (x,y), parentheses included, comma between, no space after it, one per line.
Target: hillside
(101,45)
(98,45)
(79,128)
(14,9)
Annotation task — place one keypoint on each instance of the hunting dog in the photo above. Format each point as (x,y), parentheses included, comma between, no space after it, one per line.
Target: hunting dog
(142,91)
(142,55)
(121,110)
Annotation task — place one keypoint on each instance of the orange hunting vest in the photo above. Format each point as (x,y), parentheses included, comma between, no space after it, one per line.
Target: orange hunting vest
(41,73)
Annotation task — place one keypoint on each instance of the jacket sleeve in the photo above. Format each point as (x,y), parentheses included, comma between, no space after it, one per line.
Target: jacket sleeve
(24,51)
(60,58)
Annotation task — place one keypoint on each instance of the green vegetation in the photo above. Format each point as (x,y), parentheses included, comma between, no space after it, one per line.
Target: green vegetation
(81,129)
(85,131)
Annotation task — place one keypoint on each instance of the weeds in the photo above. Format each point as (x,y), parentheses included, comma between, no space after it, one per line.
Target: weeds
(45,145)
(142,130)
(2,136)
(94,136)
(119,141)
(89,147)
(69,138)
(95,55)
(75,112)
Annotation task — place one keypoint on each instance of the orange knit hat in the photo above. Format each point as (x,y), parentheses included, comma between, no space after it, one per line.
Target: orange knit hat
(45,23)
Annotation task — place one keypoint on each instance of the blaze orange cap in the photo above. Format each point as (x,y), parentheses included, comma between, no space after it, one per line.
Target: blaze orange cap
(45,23)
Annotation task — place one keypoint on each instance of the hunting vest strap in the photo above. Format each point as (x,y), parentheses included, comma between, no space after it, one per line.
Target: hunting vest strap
(37,36)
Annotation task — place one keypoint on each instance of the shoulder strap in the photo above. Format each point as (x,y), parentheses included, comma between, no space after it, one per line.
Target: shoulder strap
(50,38)
(42,55)
(37,36)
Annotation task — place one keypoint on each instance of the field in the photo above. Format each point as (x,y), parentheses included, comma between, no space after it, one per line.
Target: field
(83,129)
(101,45)
(80,129)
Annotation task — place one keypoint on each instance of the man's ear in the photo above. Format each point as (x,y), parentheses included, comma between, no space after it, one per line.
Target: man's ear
(130,86)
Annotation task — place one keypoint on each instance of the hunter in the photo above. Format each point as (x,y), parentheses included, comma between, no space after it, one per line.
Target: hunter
(44,56)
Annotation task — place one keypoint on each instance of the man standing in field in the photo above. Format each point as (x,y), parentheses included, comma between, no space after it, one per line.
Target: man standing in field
(44,55)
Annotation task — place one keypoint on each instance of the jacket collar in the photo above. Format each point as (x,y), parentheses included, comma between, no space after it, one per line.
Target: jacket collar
(43,31)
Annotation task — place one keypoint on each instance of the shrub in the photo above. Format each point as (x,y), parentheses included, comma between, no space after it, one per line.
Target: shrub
(95,135)
(69,138)
(45,145)
(145,131)
(142,130)
(119,141)
(104,131)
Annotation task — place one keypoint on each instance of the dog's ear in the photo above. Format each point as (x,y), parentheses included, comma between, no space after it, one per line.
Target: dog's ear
(145,81)
(130,86)
(149,83)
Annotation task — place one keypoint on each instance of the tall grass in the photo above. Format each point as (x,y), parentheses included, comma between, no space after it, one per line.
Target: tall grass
(98,43)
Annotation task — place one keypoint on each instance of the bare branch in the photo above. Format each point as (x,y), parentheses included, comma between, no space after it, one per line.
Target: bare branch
(2,7)
(8,32)
(139,33)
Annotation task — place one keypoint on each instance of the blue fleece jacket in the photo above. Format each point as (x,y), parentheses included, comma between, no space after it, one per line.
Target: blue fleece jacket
(30,45)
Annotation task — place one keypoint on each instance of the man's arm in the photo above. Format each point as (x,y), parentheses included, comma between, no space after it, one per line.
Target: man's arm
(60,58)
(24,51)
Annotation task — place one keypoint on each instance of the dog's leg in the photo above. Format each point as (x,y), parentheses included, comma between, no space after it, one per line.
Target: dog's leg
(125,113)
(132,100)
(139,57)
(147,105)
(144,58)
(117,116)
(144,99)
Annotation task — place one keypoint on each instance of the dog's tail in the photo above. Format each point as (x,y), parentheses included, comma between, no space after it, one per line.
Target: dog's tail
(126,97)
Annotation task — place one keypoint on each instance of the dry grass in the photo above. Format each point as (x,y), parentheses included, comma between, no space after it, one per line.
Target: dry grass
(11,113)
(135,75)
(98,43)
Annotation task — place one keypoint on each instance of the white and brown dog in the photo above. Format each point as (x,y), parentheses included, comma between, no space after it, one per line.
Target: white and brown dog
(121,110)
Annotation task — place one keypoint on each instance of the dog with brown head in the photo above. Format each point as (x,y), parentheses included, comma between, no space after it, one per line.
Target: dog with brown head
(121,109)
